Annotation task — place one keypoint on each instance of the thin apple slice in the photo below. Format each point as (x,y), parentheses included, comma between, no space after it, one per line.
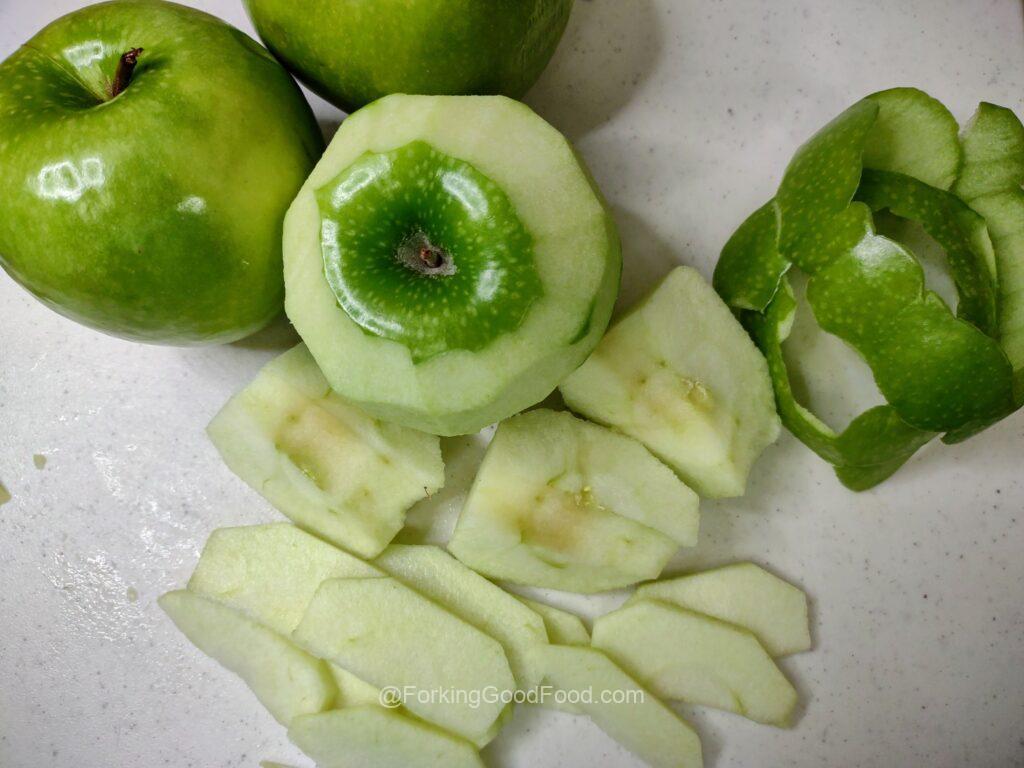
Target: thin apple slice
(435,574)
(743,594)
(271,572)
(374,737)
(325,464)
(288,681)
(563,628)
(392,637)
(562,503)
(679,374)
(684,655)
(622,708)
(352,691)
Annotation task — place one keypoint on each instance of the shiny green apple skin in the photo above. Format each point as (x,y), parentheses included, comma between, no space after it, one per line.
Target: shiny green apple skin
(352,52)
(155,215)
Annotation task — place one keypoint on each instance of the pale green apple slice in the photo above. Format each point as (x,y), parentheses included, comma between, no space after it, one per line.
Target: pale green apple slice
(679,374)
(622,708)
(743,594)
(288,681)
(562,503)
(563,628)
(437,665)
(436,574)
(684,655)
(328,466)
(271,572)
(374,737)
(352,691)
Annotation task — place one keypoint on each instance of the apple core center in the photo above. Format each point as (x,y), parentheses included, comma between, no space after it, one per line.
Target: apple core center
(422,248)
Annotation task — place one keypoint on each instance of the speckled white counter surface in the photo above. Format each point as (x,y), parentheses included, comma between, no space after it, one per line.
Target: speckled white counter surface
(687,112)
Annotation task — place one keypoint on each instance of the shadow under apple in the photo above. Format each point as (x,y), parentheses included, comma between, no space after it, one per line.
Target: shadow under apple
(608,49)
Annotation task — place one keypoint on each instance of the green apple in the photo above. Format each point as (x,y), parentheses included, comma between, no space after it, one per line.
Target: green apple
(147,154)
(320,460)
(566,504)
(374,737)
(449,261)
(679,374)
(743,594)
(287,680)
(436,664)
(622,708)
(352,52)
(687,656)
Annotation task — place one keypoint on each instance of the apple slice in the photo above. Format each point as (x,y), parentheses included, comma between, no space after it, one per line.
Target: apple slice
(563,628)
(679,374)
(438,666)
(328,466)
(743,594)
(437,575)
(684,655)
(622,708)
(352,691)
(287,680)
(562,503)
(374,737)
(271,572)
(449,261)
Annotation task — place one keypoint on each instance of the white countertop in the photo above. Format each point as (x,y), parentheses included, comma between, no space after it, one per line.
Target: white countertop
(686,111)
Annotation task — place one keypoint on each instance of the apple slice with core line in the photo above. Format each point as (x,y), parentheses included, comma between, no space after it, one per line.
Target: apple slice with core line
(679,374)
(437,575)
(374,737)
(287,680)
(687,656)
(743,594)
(562,503)
(331,468)
(394,638)
(449,261)
(622,708)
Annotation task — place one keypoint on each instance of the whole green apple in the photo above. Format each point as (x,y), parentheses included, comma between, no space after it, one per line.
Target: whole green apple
(352,52)
(148,153)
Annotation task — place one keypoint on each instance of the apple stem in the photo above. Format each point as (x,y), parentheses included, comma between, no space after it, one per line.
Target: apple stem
(125,68)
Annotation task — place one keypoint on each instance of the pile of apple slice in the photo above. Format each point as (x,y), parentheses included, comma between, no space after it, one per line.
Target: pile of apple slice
(357,657)
(348,638)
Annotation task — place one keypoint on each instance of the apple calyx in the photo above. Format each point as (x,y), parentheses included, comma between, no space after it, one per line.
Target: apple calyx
(422,256)
(125,68)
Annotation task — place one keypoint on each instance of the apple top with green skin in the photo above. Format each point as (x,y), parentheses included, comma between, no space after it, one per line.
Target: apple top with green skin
(352,52)
(147,201)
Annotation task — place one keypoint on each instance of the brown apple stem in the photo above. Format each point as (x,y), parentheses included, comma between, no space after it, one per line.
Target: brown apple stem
(125,68)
